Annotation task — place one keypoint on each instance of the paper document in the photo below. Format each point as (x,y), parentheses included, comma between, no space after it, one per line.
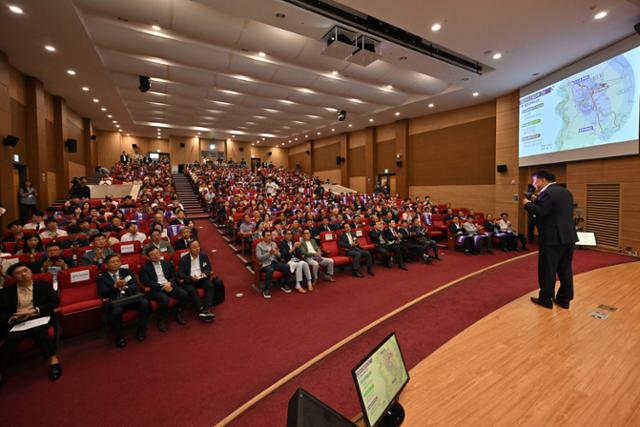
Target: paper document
(30,324)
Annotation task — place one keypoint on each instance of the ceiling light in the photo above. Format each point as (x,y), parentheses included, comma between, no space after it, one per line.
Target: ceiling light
(157,150)
(96,100)
(282,143)
(333,129)
(389,87)
(334,73)
(306,136)
(318,133)
(475,94)
(103,109)
(50,48)
(295,139)
(115,121)
(355,100)
(305,90)
(600,15)
(370,120)
(199,133)
(109,115)
(350,125)
(436,27)
(156,28)
(264,139)
(289,141)
(430,105)
(85,89)
(16,10)
(71,72)
(117,126)
(262,54)
(497,55)
(397,113)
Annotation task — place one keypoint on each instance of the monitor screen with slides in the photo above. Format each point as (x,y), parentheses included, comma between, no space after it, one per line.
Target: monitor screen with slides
(593,113)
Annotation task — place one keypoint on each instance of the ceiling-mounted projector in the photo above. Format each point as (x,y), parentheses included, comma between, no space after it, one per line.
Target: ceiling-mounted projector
(338,43)
(366,51)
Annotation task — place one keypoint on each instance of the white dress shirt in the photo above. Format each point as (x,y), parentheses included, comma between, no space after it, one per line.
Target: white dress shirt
(157,266)
(196,271)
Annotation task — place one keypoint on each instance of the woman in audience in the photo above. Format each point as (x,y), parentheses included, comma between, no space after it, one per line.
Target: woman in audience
(33,247)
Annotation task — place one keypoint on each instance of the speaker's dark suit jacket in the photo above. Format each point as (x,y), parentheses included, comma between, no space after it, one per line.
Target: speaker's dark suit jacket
(44,298)
(554,212)
(184,266)
(149,278)
(105,283)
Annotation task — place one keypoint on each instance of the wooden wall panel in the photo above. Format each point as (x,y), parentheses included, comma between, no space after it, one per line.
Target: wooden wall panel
(50,160)
(451,118)
(357,138)
(508,183)
(385,132)
(279,156)
(77,170)
(356,163)
(73,130)
(386,156)
(463,155)
(333,175)
(481,198)
(303,159)
(234,153)
(358,183)
(19,128)
(324,158)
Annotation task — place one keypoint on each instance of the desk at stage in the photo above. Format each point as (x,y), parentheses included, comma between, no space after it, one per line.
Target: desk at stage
(526,365)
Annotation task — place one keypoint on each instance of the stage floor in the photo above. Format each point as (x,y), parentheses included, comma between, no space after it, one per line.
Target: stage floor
(527,365)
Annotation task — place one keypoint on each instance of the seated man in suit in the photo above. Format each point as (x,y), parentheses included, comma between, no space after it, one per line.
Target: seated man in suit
(493,229)
(459,234)
(506,227)
(391,234)
(268,254)
(116,282)
(415,250)
(349,242)
(100,251)
(195,271)
(480,239)
(76,238)
(312,254)
(384,247)
(53,258)
(418,235)
(159,276)
(133,234)
(27,300)
(52,231)
(158,242)
(290,254)
(184,240)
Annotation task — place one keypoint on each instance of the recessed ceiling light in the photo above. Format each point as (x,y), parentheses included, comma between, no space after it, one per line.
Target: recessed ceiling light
(199,133)
(334,73)
(295,139)
(103,109)
(114,121)
(50,48)
(117,126)
(157,150)
(71,72)
(264,139)
(436,27)
(109,115)
(370,120)
(333,129)
(262,54)
(318,133)
(16,10)
(128,134)
(96,100)
(600,15)
(289,141)
(85,89)
(397,113)
(350,125)
(497,55)
(156,28)
(306,136)
(475,94)
(389,87)
(430,105)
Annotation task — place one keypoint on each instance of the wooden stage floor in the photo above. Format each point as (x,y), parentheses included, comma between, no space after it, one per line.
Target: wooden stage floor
(526,365)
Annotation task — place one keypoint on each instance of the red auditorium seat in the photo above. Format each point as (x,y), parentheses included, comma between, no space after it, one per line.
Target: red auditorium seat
(126,248)
(79,296)
(363,238)
(259,276)
(329,244)
(10,247)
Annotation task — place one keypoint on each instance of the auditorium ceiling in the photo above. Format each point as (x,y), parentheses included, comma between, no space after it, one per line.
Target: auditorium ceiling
(254,69)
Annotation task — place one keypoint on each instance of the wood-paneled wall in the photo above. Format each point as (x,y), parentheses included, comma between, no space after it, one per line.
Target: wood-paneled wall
(333,175)
(324,157)
(481,198)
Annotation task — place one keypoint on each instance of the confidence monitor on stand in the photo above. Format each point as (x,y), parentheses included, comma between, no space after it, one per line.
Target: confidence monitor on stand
(380,378)
(306,410)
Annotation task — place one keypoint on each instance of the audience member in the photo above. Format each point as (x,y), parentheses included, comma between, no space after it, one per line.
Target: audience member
(195,271)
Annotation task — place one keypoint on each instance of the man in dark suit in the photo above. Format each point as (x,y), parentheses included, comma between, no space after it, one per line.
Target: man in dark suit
(124,158)
(53,258)
(392,234)
(116,282)
(25,301)
(458,233)
(553,208)
(384,247)
(194,270)
(349,242)
(159,276)
(184,240)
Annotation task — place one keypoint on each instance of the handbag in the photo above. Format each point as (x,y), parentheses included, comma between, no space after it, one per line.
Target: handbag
(123,300)
(218,291)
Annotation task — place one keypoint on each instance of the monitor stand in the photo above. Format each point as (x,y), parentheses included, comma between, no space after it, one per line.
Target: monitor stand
(393,417)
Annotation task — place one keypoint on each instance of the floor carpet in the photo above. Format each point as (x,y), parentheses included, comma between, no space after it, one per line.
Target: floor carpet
(199,373)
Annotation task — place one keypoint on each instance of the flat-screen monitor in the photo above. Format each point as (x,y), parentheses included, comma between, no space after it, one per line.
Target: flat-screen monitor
(588,111)
(154,156)
(306,410)
(380,378)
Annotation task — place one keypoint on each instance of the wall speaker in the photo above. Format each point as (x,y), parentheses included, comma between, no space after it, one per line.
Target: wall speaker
(637,27)
(399,163)
(145,83)
(10,140)
(269,153)
(502,168)
(308,152)
(182,145)
(94,137)
(338,160)
(72,145)
(241,148)
(134,146)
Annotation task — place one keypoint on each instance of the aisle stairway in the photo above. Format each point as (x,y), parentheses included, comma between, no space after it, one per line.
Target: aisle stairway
(188,197)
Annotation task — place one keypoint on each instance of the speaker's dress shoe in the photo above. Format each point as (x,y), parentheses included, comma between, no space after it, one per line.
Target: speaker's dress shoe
(55,372)
(544,304)
(561,303)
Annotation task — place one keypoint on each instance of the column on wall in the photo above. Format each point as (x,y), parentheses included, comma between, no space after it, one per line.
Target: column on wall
(507,183)
(370,159)
(402,135)
(61,152)
(344,153)
(311,148)
(7,197)
(36,138)
(90,154)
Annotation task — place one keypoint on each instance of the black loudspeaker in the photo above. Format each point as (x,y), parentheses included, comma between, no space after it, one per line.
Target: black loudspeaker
(342,115)
(182,145)
(134,146)
(241,149)
(502,168)
(338,160)
(269,153)
(10,140)
(94,137)
(637,27)
(145,83)
(399,163)
(308,152)
(306,410)
(72,145)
